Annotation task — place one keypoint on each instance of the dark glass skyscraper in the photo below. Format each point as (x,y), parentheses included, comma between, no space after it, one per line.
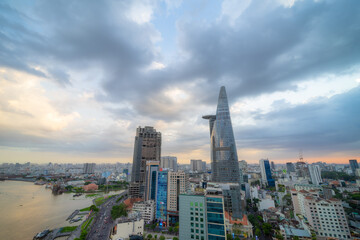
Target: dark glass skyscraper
(353,165)
(224,160)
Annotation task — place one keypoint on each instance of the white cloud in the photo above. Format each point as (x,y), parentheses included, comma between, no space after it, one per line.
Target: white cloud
(233,8)
(140,12)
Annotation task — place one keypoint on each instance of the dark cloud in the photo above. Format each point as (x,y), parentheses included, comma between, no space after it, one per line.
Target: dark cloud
(268,48)
(327,124)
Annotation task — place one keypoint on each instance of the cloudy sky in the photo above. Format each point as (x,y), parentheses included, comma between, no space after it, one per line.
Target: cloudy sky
(78,77)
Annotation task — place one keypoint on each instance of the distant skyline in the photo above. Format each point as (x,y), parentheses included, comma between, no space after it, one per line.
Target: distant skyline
(77,78)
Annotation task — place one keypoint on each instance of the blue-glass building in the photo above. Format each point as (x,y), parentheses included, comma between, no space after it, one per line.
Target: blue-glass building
(266,173)
(215,218)
(161,196)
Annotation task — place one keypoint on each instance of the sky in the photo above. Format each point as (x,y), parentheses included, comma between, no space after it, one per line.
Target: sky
(78,77)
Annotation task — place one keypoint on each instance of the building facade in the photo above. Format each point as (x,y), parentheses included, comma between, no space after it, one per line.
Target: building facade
(224,159)
(89,168)
(146,210)
(147,147)
(353,165)
(266,172)
(169,162)
(327,217)
(161,196)
(178,183)
(197,165)
(150,182)
(315,174)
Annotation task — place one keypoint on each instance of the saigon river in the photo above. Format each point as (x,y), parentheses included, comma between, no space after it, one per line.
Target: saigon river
(26,209)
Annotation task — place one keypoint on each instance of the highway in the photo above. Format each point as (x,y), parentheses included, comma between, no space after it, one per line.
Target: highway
(103,222)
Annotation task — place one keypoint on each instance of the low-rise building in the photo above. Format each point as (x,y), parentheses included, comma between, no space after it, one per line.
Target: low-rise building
(146,209)
(289,232)
(126,227)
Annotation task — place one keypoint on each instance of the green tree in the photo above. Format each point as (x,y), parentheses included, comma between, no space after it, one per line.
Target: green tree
(257,231)
(149,236)
(279,236)
(94,208)
(175,238)
(162,237)
(228,236)
(118,211)
(171,229)
(267,228)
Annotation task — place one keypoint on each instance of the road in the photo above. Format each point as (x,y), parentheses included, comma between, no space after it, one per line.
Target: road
(103,222)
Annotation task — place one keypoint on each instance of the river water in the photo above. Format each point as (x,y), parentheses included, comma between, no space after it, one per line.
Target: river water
(26,209)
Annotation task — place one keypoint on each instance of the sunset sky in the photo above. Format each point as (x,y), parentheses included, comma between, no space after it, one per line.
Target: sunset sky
(78,77)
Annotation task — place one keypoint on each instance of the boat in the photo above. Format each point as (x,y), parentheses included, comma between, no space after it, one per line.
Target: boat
(42,234)
(77,195)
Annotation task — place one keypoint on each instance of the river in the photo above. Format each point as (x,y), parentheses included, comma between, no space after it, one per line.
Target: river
(26,209)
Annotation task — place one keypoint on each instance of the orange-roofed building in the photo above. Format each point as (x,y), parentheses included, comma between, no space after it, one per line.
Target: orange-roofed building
(90,187)
(239,225)
(130,202)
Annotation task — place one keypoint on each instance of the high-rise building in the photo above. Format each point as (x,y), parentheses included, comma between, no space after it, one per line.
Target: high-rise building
(202,216)
(315,174)
(178,183)
(89,168)
(147,147)
(353,165)
(192,217)
(272,165)
(327,217)
(150,182)
(169,162)
(224,160)
(161,197)
(197,165)
(266,172)
(243,165)
(290,167)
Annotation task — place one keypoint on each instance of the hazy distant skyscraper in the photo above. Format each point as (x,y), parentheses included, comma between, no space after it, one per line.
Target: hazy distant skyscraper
(169,162)
(147,147)
(353,165)
(266,172)
(89,168)
(272,165)
(224,160)
(315,174)
(290,167)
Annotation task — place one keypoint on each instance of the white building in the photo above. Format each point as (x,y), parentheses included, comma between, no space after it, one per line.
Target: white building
(126,227)
(89,168)
(327,217)
(169,162)
(197,165)
(315,174)
(266,203)
(146,209)
(178,183)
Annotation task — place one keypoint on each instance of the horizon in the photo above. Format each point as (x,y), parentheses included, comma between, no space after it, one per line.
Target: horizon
(74,88)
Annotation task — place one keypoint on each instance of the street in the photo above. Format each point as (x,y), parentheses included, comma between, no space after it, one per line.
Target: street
(103,222)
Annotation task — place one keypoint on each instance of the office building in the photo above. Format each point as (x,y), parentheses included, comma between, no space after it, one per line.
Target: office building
(272,165)
(290,167)
(89,168)
(202,216)
(192,220)
(178,183)
(147,147)
(224,160)
(197,165)
(126,227)
(243,165)
(146,210)
(315,174)
(169,162)
(327,217)
(353,165)
(150,181)
(161,197)
(266,173)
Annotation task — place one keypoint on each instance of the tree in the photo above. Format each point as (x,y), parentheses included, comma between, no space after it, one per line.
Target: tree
(257,231)
(155,236)
(149,236)
(279,236)
(162,237)
(175,238)
(228,236)
(118,211)
(94,208)
(267,228)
